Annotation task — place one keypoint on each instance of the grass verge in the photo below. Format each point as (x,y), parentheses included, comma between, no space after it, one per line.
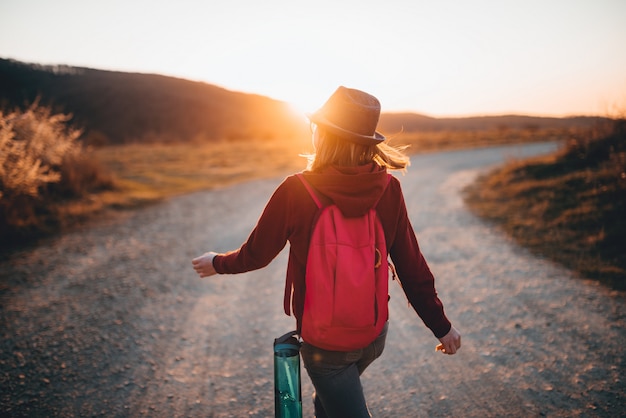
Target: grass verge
(569,207)
(148,172)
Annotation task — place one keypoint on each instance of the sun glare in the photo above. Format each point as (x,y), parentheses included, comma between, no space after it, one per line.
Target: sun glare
(304,99)
(304,107)
(300,111)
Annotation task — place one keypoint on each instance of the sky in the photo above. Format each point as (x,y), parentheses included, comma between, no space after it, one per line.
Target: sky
(439,58)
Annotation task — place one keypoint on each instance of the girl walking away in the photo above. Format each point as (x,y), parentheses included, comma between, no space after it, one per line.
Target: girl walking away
(349,172)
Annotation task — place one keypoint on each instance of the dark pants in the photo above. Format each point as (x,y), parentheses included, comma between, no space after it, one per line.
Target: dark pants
(336,378)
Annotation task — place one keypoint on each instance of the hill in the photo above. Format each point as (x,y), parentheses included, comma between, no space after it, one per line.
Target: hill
(411,122)
(117,107)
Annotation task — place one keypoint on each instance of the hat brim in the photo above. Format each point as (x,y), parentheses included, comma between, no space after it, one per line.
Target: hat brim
(355,137)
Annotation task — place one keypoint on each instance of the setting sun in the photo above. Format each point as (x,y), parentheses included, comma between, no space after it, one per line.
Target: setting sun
(300,110)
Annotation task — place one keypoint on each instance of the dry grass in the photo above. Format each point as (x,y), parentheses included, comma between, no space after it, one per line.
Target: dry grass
(41,163)
(147,172)
(568,206)
(455,139)
(139,174)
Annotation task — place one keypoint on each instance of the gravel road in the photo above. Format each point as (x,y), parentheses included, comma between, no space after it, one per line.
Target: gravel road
(110,320)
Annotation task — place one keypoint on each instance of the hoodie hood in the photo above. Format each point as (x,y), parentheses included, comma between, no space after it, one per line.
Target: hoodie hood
(354,190)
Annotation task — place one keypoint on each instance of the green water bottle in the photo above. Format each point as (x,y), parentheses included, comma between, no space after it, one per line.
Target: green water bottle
(287,391)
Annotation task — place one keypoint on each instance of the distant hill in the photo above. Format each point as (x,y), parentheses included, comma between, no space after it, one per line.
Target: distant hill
(117,107)
(411,122)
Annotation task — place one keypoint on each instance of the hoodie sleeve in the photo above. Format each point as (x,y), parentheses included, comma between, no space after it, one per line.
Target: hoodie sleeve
(266,240)
(415,276)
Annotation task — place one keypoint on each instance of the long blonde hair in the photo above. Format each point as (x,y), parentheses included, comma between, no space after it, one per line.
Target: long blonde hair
(334,150)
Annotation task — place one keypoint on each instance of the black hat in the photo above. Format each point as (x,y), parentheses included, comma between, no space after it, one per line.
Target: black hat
(351,114)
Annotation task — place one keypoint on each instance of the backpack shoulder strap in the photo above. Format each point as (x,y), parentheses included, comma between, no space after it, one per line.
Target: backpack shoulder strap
(311,191)
(288,282)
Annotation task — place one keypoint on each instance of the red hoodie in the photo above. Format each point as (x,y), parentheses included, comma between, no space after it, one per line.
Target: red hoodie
(289,216)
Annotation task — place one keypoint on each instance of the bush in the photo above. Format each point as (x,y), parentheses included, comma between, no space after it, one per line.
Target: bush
(568,206)
(42,163)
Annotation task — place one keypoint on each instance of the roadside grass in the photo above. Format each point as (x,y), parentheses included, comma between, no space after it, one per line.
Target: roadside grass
(148,172)
(439,140)
(569,207)
(154,171)
(42,165)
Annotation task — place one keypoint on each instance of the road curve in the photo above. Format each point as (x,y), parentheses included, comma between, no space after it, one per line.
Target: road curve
(110,320)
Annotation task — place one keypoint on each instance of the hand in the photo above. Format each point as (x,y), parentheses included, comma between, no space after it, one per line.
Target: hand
(203,265)
(450,343)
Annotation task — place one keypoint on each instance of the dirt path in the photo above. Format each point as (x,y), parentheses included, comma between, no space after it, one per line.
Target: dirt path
(111,321)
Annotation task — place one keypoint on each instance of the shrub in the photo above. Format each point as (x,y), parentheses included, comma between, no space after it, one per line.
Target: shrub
(42,162)
(568,206)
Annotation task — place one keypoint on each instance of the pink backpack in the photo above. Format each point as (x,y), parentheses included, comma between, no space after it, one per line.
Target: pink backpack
(345,304)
